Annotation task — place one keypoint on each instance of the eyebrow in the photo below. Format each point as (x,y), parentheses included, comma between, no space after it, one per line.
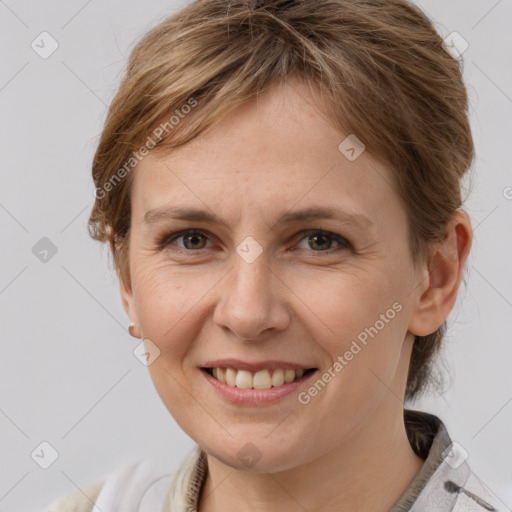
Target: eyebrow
(357,220)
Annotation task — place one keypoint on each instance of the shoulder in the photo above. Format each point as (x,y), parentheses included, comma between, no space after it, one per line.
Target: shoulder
(446,482)
(473,494)
(145,482)
(78,500)
(140,482)
(455,487)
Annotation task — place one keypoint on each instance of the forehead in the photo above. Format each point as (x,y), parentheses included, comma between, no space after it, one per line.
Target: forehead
(274,152)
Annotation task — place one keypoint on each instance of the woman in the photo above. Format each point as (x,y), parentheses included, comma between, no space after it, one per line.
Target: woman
(313,151)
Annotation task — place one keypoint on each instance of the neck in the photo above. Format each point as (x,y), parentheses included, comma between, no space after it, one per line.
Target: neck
(369,471)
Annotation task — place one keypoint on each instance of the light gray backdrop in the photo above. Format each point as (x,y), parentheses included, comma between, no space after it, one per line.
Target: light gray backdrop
(68,376)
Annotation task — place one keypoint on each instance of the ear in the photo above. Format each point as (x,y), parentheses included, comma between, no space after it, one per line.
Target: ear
(128,302)
(444,276)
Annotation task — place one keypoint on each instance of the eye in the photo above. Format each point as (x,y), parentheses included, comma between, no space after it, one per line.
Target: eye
(195,240)
(323,240)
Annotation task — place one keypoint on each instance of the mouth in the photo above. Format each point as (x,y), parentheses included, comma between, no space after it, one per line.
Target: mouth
(261,379)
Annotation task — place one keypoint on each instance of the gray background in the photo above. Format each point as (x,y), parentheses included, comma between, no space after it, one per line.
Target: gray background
(67,372)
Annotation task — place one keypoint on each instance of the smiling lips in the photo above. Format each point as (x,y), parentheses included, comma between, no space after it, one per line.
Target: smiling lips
(264,375)
(262,379)
(255,384)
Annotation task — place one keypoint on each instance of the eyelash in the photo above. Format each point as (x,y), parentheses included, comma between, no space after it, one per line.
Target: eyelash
(166,240)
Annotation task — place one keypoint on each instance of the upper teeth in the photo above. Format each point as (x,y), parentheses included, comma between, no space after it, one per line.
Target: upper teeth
(262,379)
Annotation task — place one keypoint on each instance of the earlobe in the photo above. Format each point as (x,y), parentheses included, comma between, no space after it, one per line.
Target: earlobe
(128,303)
(444,276)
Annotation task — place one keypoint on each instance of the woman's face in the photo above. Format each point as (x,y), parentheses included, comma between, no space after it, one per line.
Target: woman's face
(260,288)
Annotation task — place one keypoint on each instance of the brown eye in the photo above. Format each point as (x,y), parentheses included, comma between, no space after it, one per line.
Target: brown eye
(322,241)
(192,240)
(317,241)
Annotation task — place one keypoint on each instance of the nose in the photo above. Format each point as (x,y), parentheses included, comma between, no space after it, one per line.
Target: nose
(253,304)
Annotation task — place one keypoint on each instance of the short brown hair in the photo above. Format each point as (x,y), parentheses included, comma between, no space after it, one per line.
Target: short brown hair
(379,65)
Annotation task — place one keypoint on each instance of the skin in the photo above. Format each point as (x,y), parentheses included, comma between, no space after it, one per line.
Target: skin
(299,301)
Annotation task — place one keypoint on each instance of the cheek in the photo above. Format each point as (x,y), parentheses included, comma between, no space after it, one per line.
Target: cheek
(167,305)
(360,317)
(346,305)
(169,310)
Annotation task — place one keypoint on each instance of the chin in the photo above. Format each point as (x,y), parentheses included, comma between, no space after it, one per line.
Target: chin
(254,453)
